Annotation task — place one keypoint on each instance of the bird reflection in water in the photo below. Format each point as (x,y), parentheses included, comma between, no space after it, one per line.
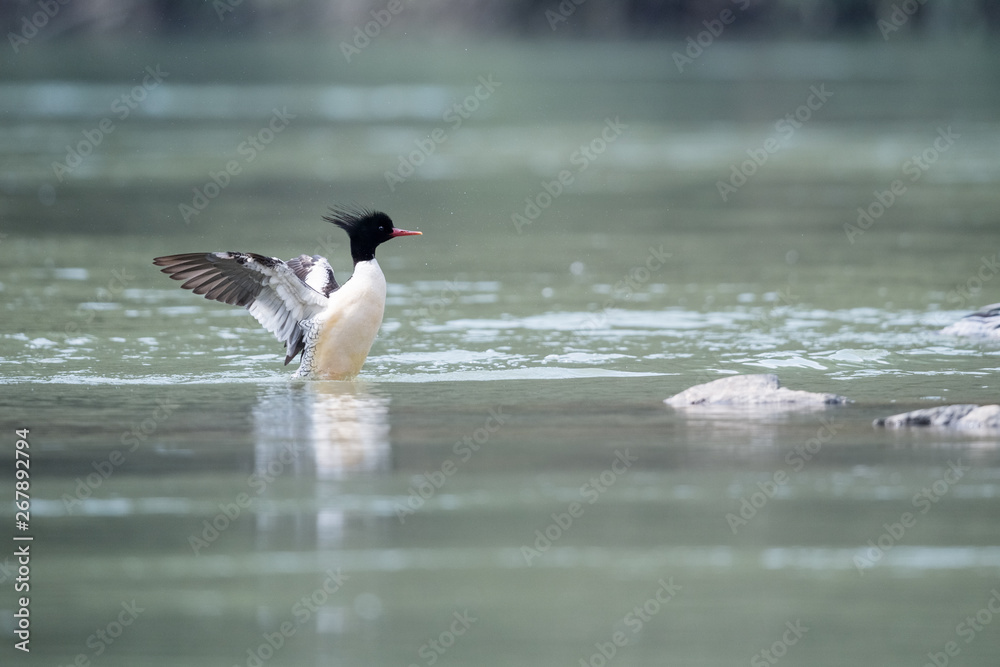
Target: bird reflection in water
(316,435)
(319,431)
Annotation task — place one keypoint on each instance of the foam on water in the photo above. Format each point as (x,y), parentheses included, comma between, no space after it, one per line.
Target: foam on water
(842,344)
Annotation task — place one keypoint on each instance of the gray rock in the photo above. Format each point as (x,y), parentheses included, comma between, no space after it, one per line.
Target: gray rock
(984,323)
(962,417)
(750,391)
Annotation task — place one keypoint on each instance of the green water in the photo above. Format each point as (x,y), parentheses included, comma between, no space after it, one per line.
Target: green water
(503,485)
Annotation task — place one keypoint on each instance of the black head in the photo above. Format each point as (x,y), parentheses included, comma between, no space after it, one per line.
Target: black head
(366,228)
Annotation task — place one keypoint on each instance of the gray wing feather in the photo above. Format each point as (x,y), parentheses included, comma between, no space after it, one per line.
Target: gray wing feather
(274,292)
(316,272)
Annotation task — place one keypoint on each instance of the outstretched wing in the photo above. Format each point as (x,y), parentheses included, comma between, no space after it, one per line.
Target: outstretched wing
(266,286)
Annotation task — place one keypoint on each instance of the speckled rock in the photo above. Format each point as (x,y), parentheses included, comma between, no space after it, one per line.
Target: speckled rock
(963,417)
(749,391)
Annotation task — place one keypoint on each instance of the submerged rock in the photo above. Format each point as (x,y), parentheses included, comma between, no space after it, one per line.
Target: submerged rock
(750,390)
(963,417)
(984,323)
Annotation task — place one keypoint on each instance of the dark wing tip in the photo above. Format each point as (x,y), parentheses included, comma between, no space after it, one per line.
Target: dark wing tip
(171,264)
(182,258)
(170,260)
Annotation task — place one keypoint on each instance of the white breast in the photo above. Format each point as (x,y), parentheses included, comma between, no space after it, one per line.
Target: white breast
(348,326)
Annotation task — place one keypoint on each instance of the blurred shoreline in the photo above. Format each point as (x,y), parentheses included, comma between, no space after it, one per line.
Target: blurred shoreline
(209,59)
(635,19)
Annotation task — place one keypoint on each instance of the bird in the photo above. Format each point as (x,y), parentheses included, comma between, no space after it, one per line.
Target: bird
(984,323)
(332,326)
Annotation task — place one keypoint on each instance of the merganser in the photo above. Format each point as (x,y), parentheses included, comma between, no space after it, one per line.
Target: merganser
(299,301)
(984,323)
